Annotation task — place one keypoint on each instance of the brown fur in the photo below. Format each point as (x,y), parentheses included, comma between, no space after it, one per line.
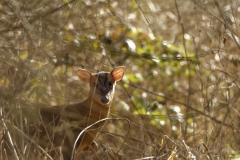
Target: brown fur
(60,125)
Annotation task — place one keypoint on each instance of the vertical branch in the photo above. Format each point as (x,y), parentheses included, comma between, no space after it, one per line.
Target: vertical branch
(188,65)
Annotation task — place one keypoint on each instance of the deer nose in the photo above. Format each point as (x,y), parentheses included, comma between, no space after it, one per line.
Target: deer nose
(105,96)
(105,100)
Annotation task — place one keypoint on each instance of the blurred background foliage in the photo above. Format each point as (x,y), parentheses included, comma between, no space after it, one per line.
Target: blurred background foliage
(180,90)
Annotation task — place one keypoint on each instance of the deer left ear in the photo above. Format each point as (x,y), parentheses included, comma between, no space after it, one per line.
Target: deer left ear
(84,75)
(118,73)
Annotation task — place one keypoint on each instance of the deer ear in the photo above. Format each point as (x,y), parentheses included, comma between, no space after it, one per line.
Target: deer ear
(118,73)
(84,75)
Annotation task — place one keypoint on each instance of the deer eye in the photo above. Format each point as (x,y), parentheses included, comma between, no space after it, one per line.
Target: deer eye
(110,84)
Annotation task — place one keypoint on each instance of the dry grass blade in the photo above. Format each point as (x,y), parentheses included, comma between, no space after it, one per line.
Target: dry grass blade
(32,141)
(10,140)
(200,150)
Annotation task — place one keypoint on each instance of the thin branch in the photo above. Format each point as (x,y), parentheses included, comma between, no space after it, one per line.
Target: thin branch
(31,20)
(113,12)
(184,104)
(15,5)
(144,15)
(224,21)
(102,120)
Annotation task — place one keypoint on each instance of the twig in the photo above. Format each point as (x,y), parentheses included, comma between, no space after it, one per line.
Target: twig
(144,15)
(190,155)
(113,12)
(226,23)
(102,120)
(25,22)
(38,16)
(200,148)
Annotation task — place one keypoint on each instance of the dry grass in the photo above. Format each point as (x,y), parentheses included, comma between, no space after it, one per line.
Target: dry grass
(181,89)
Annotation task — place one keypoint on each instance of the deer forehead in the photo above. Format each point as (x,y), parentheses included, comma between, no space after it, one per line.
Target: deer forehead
(101,77)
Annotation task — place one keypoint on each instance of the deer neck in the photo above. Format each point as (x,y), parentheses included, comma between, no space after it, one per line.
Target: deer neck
(97,109)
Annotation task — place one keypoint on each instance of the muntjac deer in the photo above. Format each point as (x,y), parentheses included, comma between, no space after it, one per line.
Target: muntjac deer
(60,125)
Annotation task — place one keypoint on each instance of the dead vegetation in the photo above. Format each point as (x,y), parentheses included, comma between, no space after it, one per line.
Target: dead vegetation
(179,98)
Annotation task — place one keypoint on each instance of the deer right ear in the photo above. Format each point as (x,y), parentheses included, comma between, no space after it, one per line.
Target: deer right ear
(84,75)
(118,73)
